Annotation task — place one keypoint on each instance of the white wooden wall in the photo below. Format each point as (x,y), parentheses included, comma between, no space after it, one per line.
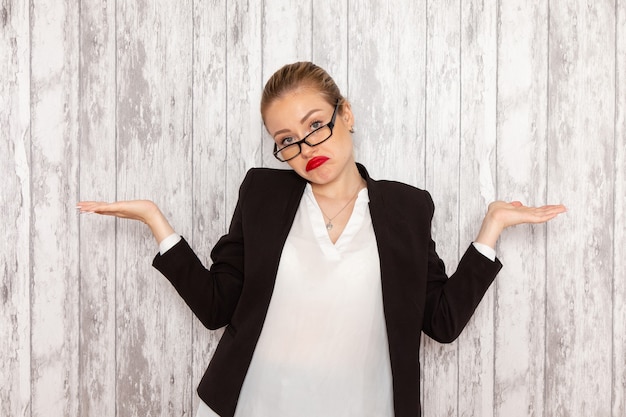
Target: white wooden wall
(474,100)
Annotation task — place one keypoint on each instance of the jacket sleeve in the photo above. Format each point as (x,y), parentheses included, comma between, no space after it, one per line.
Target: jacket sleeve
(451,302)
(212,294)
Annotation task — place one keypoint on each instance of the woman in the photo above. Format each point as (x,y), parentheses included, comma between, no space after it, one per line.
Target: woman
(326,276)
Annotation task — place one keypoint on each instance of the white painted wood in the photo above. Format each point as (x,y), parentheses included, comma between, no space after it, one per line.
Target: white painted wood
(519,325)
(443,82)
(581,149)
(244,58)
(330,41)
(15,210)
(97,326)
(154,155)
(209,155)
(477,181)
(618,406)
(387,85)
(54,243)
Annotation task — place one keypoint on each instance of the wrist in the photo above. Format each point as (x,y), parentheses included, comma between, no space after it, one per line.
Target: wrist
(489,233)
(158,224)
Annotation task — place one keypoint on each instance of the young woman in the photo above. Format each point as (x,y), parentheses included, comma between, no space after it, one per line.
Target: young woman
(326,277)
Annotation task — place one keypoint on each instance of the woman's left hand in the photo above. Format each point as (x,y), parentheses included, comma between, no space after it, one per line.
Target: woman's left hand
(501,215)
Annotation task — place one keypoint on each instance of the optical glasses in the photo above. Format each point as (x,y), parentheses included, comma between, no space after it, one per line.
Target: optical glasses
(314,138)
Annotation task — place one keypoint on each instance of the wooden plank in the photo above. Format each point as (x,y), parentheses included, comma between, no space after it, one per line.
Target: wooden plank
(154,77)
(440,362)
(287,38)
(15,209)
(387,79)
(581,162)
(329,46)
(287,23)
(209,155)
(476,191)
(521,175)
(244,78)
(97,182)
(619,241)
(54,247)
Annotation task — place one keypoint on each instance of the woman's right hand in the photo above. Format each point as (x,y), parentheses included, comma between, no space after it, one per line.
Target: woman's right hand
(143,210)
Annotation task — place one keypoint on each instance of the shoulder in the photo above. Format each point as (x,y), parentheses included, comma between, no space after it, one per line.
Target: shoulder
(404,196)
(258,176)
(400,189)
(398,194)
(270,183)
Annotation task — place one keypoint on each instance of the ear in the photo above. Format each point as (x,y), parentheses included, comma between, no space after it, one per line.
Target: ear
(347,116)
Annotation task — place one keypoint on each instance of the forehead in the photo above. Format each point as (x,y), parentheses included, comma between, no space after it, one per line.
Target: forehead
(290,108)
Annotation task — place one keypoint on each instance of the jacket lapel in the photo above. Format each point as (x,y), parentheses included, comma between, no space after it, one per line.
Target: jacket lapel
(380,221)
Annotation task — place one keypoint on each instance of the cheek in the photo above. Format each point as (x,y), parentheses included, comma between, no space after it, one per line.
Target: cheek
(298,164)
(344,143)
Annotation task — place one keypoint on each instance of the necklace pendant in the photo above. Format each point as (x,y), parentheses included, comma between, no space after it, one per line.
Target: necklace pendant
(329,226)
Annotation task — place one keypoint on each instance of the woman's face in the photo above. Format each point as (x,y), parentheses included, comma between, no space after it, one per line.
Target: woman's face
(292,117)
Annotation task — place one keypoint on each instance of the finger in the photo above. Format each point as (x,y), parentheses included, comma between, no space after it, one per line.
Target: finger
(83,204)
(559,207)
(97,207)
(552,209)
(87,206)
(545,213)
(111,209)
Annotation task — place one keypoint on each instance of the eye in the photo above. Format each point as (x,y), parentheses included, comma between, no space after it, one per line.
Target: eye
(288,140)
(316,125)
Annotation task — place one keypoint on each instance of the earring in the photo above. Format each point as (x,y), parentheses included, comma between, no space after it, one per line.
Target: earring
(351,129)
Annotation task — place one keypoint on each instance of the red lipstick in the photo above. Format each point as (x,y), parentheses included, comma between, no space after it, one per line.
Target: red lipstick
(316,162)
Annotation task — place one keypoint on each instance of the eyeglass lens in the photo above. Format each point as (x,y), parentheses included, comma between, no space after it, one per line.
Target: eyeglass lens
(314,138)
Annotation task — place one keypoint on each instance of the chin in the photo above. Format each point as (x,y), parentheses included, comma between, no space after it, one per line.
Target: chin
(320,177)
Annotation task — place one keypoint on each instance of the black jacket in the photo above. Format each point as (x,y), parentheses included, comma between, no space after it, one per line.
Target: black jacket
(236,290)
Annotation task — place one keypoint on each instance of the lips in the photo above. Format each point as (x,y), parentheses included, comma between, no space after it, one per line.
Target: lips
(315,162)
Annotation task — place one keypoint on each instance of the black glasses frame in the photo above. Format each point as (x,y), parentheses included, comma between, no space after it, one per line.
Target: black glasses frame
(299,143)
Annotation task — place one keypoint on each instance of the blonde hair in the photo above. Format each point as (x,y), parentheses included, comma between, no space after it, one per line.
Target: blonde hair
(300,75)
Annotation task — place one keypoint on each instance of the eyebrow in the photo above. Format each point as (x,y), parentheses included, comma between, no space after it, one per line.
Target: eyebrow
(306,116)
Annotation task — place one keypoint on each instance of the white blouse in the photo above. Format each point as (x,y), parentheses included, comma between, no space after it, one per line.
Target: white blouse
(323,349)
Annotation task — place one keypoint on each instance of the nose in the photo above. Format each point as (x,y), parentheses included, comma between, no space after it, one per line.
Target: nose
(306,150)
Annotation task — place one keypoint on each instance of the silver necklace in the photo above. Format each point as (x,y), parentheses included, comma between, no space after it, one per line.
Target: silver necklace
(329,224)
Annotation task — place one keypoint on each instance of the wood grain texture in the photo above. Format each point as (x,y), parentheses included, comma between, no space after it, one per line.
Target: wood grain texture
(154,81)
(209,155)
(618,406)
(580,162)
(97,376)
(477,181)
(443,90)
(15,210)
(521,175)
(387,79)
(244,77)
(330,41)
(54,247)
